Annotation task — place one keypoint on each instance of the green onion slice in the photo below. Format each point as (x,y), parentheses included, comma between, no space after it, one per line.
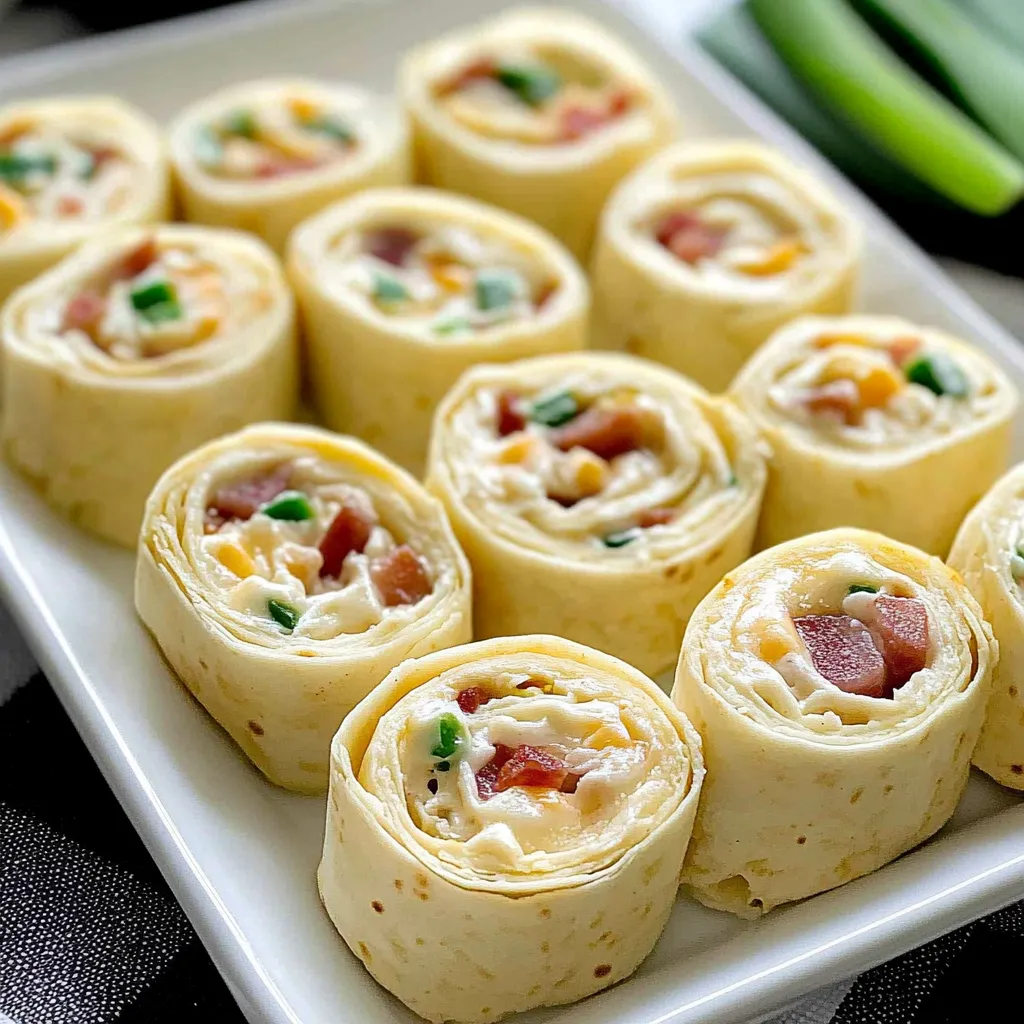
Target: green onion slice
(453,326)
(290,506)
(331,127)
(240,122)
(15,167)
(533,84)
(861,588)
(938,373)
(555,409)
(496,289)
(389,289)
(283,614)
(449,737)
(620,538)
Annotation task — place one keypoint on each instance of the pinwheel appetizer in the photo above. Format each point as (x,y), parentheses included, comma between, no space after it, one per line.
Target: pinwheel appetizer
(523,801)
(862,413)
(708,248)
(839,683)
(989,553)
(284,571)
(264,155)
(597,496)
(70,168)
(403,289)
(131,352)
(540,111)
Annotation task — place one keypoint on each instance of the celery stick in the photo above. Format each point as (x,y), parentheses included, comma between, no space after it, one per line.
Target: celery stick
(1004,18)
(860,79)
(985,76)
(732,37)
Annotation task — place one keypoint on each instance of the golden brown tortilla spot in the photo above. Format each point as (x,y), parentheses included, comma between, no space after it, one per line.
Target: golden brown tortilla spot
(886,790)
(651,871)
(255,728)
(203,665)
(533,991)
(856,795)
(399,884)
(486,1010)
(1017,769)
(602,970)
(597,922)
(423,895)
(1012,691)
(422,881)
(545,947)
(800,840)
(485,974)
(423,402)
(378,906)
(634,344)
(863,490)
(715,556)
(648,907)
(365,953)
(826,779)
(420,942)
(545,912)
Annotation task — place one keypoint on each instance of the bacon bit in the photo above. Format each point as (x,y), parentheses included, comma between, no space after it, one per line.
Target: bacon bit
(605,431)
(280,167)
(392,245)
(687,237)
(619,102)
(84,312)
(655,517)
(241,500)
(349,531)
(544,293)
(901,349)
(510,419)
(469,700)
(900,627)
(103,155)
(570,782)
(70,206)
(483,67)
(579,121)
(844,652)
(135,261)
(487,777)
(838,398)
(531,766)
(401,577)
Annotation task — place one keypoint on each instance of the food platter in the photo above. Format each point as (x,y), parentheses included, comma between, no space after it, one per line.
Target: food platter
(239,854)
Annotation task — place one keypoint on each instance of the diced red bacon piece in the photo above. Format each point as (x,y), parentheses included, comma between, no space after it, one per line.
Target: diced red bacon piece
(103,155)
(69,206)
(607,431)
(482,67)
(531,766)
(244,498)
(839,399)
(487,777)
(135,261)
(84,312)
(392,245)
(901,349)
(544,293)
(470,699)
(281,166)
(844,652)
(655,517)
(900,628)
(688,237)
(619,102)
(579,121)
(401,577)
(510,418)
(349,531)
(570,782)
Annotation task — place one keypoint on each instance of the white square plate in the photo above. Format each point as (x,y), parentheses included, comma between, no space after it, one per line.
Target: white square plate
(241,855)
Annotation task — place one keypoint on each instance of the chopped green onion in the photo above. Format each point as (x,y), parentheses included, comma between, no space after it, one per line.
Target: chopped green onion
(452,326)
(388,289)
(14,167)
(283,614)
(620,538)
(163,312)
(1017,565)
(331,127)
(240,122)
(938,373)
(532,84)
(86,166)
(207,147)
(153,294)
(496,289)
(555,409)
(733,480)
(861,588)
(449,737)
(291,506)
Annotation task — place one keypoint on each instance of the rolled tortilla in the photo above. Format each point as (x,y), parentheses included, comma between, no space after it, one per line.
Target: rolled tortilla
(70,169)
(839,683)
(131,352)
(506,824)
(709,247)
(540,111)
(284,571)
(403,289)
(989,553)
(597,496)
(264,155)
(878,423)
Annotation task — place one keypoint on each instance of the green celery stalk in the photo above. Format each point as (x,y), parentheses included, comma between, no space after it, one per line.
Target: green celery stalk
(834,53)
(733,38)
(1004,18)
(985,76)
